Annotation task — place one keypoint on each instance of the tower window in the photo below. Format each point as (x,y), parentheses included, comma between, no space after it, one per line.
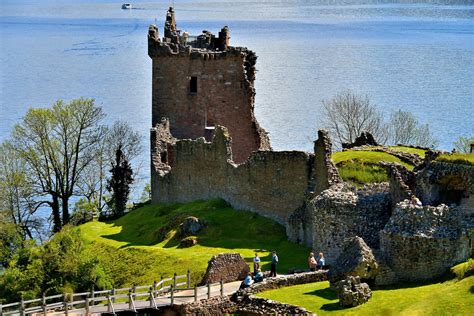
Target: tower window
(193,85)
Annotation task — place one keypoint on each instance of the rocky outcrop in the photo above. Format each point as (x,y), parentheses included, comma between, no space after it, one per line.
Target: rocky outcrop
(365,139)
(340,213)
(351,292)
(188,242)
(356,259)
(227,267)
(190,226)
(421,243)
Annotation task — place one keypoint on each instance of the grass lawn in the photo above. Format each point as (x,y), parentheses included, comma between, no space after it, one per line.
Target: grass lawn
(141,246)
(410,150)
(361,167)
(448,298)
(457,158)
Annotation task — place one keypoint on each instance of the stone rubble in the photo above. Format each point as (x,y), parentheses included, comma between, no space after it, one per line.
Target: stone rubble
(227,267)
(351,292)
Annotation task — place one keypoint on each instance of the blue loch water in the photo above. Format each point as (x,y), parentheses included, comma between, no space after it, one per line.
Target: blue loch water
(413,56)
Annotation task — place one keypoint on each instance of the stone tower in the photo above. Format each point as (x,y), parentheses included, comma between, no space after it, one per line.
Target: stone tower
(200,82)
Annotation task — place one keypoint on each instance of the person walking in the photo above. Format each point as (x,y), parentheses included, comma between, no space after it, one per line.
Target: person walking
(256,263)
(312,262)
(274,264)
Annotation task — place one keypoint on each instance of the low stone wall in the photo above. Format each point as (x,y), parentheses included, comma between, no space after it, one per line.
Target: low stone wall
(283,281)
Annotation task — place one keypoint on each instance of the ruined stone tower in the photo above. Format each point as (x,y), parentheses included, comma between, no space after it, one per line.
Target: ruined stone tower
(200,82)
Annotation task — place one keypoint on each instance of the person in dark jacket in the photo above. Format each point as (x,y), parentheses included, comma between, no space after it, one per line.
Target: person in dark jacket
(274,264)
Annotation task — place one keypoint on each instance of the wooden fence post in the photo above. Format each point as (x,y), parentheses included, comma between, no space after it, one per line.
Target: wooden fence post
(92,296)
(113,294)
(87,306)
(174,280)
(1,309)
(222,288)
(195,293)
(66,311)
(161,279)
(188,280)
(22,307)
(172,295)
(208,290)
(44,304)
(154,287)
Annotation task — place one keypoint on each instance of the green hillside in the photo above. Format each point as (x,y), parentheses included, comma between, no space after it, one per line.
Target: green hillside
(141,246)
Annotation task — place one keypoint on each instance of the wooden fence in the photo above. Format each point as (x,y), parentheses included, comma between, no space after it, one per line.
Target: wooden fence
(167,290)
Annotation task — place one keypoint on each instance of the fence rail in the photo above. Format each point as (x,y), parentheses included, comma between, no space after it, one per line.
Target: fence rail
(166,290)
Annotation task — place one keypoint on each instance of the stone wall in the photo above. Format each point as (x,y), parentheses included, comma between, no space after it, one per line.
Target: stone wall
(223,90)
(424,242)
(273,184)
(340,213)
(226,267)
(449,183)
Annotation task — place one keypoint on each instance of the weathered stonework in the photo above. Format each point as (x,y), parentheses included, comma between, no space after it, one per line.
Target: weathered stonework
(352,292)
(356,259)
(340,213)
(273,184)
(201,83)
(424,242)
(227,267)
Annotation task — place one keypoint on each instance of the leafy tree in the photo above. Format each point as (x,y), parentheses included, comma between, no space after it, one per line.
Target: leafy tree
(348,115)
(18,199)
(405,129)
(119,184)
(58,144)
(93,183)
(463,144)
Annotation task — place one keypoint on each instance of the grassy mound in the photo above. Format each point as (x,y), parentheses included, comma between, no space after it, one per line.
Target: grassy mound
(410,150)
(458,158)
(360,167)
(142,245)
(447,298)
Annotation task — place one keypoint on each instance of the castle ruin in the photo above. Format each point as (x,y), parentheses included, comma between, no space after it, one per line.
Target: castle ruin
(206,143)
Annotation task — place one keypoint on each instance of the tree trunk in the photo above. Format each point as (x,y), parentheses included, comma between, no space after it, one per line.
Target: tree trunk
(56,215)
(65,201)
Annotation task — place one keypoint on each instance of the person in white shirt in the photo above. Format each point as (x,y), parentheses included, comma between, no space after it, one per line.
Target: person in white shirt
(256,263)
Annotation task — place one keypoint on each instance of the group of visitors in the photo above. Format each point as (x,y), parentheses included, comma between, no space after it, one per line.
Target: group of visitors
(314,264)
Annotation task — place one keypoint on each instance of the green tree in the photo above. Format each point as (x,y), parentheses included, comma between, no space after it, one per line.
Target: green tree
(18,199)
(58,144)
(119,184)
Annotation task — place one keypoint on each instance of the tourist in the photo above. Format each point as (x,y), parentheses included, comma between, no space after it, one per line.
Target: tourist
(321,262)
(415,201)
(312,262)
(247,282)
(273,268)
(256,263)
(259,276)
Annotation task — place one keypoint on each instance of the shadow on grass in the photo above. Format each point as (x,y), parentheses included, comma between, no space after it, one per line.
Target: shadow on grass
(326,293)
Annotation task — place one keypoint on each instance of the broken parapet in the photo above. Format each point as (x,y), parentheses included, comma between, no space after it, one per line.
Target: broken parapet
(200,82)
(325,172)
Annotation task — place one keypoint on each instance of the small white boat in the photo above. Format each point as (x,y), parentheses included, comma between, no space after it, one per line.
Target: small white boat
(126,6)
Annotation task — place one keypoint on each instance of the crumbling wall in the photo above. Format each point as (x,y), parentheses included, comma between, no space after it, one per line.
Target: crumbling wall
(445,182)
(200,88)
(270,183)
(340,213)
(420,243)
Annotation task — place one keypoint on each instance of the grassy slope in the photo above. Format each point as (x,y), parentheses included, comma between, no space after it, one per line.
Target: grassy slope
(361,166)
(131,247)
(457,158)
(410,150)
(447,298)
